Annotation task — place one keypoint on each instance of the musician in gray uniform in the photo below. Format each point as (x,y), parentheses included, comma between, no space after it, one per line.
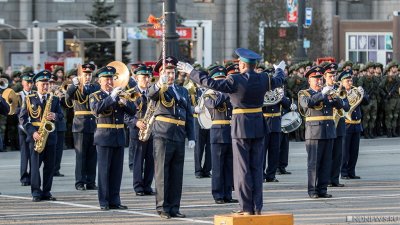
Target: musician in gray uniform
(142,152)
(272,112)
(318,107)
(246,91)
(109,109)
(329,76)
(220,108)
(27,84)
(83,127)
(31,117)
(173,123)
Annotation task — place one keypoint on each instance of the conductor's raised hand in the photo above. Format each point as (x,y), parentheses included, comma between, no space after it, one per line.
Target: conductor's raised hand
(184,67)
(281,65)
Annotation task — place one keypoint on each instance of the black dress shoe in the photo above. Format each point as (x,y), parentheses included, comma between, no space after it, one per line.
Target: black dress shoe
(354,177)
(345,177)
(336,185)
(313,195)
(207,176)
(257,212)
(140,193)
(58,174)
(271,180)
(104,208)
(91,187)
(48,198)
(149,193)
(219,201)
(80,187)
(231,200)
(325,195)
(178,214)
(25,184)
(199,176)
(36,199)
(164,215)
(283,171)
(122,207)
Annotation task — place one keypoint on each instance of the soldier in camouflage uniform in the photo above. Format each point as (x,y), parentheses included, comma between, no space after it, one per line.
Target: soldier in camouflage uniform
(16,83)
(348,65)
(356,71)
(371,87)
(380,119)
(294,84)
(390,94)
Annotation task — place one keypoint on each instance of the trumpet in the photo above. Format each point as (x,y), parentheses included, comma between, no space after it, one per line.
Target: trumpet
(130,95)
(339,92)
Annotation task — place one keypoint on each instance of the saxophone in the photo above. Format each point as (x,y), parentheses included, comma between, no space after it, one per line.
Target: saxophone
(45,128)
(148,119)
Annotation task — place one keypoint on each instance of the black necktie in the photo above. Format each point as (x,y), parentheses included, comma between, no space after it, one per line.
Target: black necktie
(44,99)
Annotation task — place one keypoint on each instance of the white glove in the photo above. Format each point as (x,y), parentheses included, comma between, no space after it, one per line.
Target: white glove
(115,92)
(191,144)
(293,107)
(361,90)
(122,101)
(184,67)
(197,109)
(75,81)
(281,65)
(326,89)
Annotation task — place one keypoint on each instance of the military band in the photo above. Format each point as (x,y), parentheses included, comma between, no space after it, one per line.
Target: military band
(245,145)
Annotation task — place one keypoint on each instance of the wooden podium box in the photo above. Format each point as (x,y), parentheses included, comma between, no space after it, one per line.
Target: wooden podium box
(264,219)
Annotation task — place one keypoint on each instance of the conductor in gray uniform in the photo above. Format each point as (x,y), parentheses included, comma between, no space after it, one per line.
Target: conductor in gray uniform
(318,107)
(246,91)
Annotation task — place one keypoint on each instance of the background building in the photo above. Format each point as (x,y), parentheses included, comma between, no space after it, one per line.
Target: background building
(224,25)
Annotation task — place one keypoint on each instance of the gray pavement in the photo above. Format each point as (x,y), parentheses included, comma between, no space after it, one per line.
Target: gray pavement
(376,197)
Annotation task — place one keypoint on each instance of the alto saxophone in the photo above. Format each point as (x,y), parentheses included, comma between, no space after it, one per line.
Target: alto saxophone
(148,119)
(45,128)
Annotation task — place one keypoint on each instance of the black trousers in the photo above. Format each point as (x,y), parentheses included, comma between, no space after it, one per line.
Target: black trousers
(59,150)
(284,151)
(222,171)
(169,157)
(86,159)
(350,154)
(319,163)
(25,174)
(247,172)
(111,161)
(132,146)
(271,150)
(336,159)
(201,148)
(143,166)
(47,157)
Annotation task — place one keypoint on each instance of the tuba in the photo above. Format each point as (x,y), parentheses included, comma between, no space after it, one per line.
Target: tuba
(121,79)
(9,95)
(355,98)
(273,97)
(45,128)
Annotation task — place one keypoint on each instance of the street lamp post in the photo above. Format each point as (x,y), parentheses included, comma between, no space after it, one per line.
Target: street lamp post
(171,37)
(300,51)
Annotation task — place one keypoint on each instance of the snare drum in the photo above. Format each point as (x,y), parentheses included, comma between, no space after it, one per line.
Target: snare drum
(291,121)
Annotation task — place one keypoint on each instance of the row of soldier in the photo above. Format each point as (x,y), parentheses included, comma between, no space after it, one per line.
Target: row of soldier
(174,122)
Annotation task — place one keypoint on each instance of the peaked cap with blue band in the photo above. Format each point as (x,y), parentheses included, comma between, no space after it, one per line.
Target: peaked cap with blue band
(247,56)
(218,71)
(43,75)
(27,76)
(143,70)
(107,71)
(345,75)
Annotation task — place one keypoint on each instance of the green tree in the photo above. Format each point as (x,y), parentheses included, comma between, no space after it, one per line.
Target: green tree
(276,47)
(102,53)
